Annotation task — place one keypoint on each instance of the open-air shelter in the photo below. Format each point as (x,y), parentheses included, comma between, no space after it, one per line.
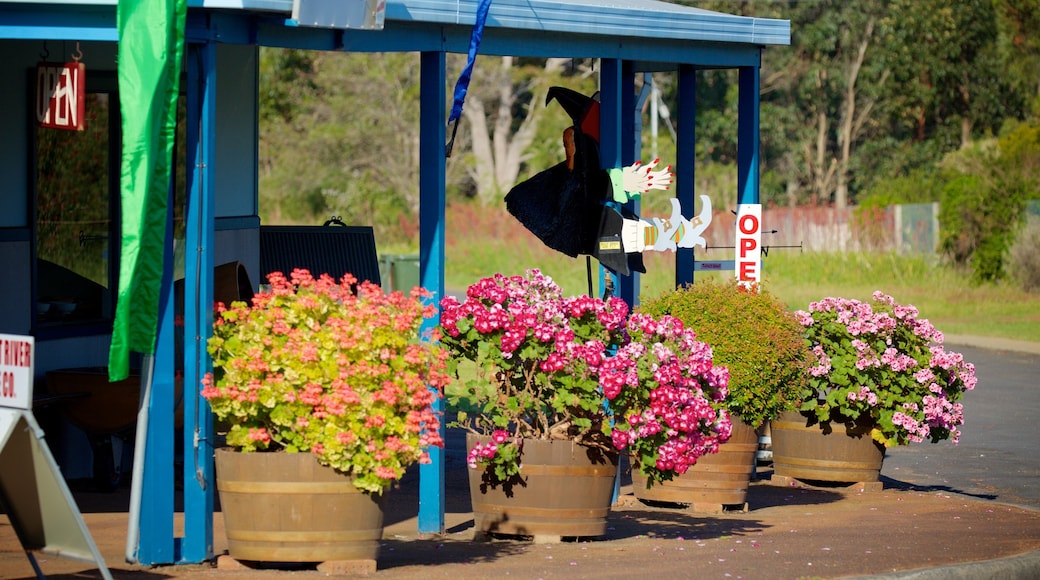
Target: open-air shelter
(222,219)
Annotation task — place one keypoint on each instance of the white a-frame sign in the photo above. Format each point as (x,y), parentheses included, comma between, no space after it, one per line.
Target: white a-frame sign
(33,492)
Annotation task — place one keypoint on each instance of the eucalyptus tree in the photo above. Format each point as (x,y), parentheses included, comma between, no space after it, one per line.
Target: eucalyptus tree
(503,112)
(1019,22)
(949,83)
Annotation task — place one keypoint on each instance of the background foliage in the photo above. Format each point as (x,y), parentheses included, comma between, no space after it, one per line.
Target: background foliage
(874,103)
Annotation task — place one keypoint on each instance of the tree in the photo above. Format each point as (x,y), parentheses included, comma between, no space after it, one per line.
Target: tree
(946,68)
(1019,22)
(515,89)
(339,135)
(984,199)
(839,89)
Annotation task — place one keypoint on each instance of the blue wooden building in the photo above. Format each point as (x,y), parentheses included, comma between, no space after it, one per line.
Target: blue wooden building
(221,82)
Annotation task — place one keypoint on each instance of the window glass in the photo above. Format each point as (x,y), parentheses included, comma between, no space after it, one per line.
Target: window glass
(77,216)
(75,236)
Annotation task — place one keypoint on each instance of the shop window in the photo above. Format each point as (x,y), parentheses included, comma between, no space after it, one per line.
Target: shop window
(77,235)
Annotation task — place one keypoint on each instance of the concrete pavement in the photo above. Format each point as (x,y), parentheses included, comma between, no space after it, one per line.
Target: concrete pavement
(966,511)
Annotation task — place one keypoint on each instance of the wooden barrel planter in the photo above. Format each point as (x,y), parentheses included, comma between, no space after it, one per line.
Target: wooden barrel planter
(843,453)
(715,481)
(286,507)
(563,489)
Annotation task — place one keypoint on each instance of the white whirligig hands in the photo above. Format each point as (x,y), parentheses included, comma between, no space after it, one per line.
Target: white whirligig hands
(636,179)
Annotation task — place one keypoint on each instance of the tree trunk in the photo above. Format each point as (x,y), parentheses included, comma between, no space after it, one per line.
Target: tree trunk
(499,152)
(851,123)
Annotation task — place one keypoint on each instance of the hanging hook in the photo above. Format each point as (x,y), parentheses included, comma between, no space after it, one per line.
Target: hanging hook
(78,54)
(46,53)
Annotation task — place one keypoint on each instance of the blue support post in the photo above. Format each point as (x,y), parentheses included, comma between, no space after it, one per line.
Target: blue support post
(154,541)
(610,137)
(630,142)
(748,136)
(197,544)
(685,164)
(432,151)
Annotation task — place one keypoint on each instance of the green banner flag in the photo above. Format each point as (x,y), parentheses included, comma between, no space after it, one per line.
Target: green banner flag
(151,49)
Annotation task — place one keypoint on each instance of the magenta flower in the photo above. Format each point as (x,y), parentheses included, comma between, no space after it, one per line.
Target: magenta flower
(549,365)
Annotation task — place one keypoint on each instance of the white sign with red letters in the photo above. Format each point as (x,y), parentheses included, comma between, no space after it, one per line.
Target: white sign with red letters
(16,371)
(748,265)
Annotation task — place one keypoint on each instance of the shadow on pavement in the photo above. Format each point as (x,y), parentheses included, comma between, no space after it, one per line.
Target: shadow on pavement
(907,486)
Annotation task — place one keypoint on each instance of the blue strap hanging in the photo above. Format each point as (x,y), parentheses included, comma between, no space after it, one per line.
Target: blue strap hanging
(462,85)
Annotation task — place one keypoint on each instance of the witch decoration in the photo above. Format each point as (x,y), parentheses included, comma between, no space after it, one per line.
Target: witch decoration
(574,206)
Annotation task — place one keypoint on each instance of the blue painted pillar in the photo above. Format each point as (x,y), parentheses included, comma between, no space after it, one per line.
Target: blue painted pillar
(199,481)
(685,164)
(631,143)
(432,152)
(154,543)
(610,143)
(748,136)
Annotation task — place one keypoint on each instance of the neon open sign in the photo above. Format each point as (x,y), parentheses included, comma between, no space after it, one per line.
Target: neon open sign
(60,95)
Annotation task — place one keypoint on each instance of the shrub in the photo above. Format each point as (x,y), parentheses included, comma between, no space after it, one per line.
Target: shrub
(1024,260)
(750,332)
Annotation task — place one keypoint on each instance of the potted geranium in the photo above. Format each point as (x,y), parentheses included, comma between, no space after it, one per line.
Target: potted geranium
(753,334)
(323,378)
(880,374)
(666,394)
(541,378)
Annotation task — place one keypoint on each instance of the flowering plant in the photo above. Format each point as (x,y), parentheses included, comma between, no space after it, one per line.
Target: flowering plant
(547,366)
(753,334)
(886,365)
(666,396)
(314,367)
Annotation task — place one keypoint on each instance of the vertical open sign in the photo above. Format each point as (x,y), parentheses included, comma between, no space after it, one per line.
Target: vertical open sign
(61,95)
(749,244)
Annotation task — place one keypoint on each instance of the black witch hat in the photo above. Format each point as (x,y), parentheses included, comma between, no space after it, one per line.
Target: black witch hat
(564,206)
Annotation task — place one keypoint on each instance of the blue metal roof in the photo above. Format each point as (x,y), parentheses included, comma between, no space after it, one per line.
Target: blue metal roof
(595,20)
(620,18)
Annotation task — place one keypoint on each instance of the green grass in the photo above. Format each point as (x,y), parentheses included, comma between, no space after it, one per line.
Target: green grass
(942,295)
(480,243)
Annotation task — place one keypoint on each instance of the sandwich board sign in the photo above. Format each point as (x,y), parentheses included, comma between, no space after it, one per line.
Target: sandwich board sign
(32,490)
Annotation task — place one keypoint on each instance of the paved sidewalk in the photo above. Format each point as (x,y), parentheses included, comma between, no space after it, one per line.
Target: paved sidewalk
(910,530)
(789,532)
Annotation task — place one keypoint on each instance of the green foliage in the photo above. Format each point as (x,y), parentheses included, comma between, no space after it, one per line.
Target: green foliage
(1024,259)
(984,199)
(1019,21)
(921,185)
(338,136)
(751,333)
(314,367)
(879,364)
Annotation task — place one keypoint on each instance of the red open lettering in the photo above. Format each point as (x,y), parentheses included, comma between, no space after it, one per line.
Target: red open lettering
(747,245)
(748,271)
(748,224)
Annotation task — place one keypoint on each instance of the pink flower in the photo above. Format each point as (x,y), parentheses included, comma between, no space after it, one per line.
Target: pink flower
(883,360)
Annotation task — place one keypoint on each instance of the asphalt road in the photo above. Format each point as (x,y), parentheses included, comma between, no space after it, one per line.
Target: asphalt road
(998,457)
